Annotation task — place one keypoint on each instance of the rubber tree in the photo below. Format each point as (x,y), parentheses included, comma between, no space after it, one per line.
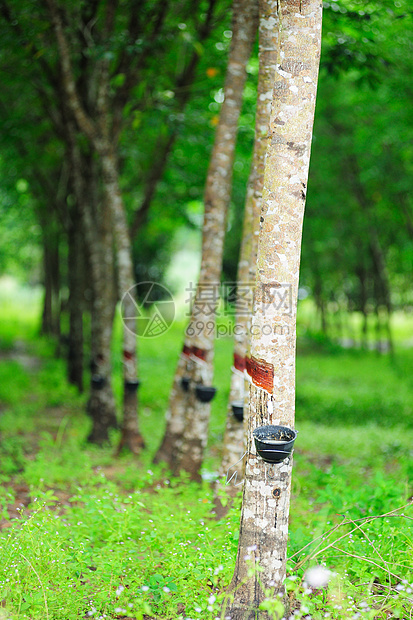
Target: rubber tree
(187,417)
(98,133)
(51,262)
(271,365)
(234,431)
(76,285)
(98,241)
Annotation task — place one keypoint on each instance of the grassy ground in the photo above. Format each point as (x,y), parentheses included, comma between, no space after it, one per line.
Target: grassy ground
(86,535)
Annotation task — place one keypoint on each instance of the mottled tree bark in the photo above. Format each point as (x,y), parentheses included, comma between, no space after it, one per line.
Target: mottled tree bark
(234,437)
(131,437)
(175,417)
(101,405)
(265,509)
(99,238)
(188,415)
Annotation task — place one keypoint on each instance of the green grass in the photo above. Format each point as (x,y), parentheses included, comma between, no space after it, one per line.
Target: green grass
(354,388)
(87,535)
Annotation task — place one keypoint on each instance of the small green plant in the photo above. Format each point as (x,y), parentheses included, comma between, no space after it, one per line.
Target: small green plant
(157,586)
(273,606)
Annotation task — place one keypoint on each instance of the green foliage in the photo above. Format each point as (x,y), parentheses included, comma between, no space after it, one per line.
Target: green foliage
(19,247)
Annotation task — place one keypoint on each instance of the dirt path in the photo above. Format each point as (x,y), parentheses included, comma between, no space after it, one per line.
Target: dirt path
(20,354)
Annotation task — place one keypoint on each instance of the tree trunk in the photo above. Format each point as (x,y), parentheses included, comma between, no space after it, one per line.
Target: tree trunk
(319,300)
(98,234)
(47,313)
(234,437)
(76,293)
(361,273)
(98,243)
(101,405)
(51,269)
(131,437)
(189,449)
(264,518)
(382,293)
(97,130)
(380,274)
(175,416)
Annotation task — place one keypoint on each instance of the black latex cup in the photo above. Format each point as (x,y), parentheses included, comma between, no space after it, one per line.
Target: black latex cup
(98,382)
(205,393)
(132,386)
(274,443)
(238,409)
(185,384)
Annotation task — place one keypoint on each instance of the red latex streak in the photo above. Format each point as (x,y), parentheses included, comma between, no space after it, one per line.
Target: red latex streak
(199,353)
(186,350)
(127,355)
(239,362)
(261,373)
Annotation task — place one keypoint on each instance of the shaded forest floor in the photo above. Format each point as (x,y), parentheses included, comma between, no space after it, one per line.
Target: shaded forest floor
(84,534)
